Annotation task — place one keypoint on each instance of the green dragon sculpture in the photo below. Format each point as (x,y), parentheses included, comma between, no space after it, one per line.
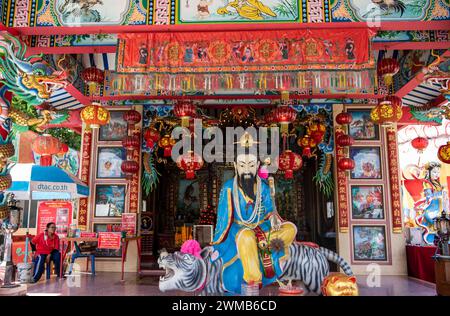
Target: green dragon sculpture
(27,78)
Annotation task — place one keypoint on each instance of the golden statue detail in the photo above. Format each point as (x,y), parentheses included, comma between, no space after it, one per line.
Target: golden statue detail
(249,9)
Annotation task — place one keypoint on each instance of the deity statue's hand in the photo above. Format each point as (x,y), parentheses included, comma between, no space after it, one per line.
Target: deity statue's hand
(275,222)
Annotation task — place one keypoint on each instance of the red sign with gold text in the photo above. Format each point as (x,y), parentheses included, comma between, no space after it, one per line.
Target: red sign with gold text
(342,190)
(394,180)
(108,240)
(129,223)
(58,212)
(85,171)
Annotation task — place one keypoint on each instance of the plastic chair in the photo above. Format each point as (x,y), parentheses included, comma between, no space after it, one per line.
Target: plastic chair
(78,254)
(48,270)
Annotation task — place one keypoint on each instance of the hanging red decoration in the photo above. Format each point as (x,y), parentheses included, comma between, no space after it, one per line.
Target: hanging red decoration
(344,118)
(185,109)
(344,140)
(190,162)
(151,137)
(289,162)
(444,153)
(284,115)
(63,149)
(346,164)
(387,68)
(46,146)
(388,110)
(132,117)
(131,142)
(166,142)
(129,168)
(93,76)
(94,115)
(317,131)
(420,144)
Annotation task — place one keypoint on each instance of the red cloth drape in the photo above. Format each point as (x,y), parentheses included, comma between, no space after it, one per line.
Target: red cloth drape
(420,262)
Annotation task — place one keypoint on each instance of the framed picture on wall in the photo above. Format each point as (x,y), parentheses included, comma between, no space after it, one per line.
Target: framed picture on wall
(367,202)
(361,127)
(109,161)
(100,228)
(367,162)
(109,200)
(115,130)
(369,243)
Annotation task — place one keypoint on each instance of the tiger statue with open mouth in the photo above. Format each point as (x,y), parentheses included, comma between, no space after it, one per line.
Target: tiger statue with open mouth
(186,272)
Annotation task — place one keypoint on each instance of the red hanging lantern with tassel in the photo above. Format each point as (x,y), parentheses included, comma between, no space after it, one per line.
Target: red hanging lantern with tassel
(288,162)
(419,144)
(131,142)
(387,68)
(46,146)
(166,142)
(284,115)
(93,76)
(344,140)
(129,168)
(190,163)
(344,118)
(132,117)
(185,109)
(444,153)
(346,164)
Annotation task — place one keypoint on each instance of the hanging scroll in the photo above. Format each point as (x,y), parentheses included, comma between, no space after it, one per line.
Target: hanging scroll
(85,172)
(394,180)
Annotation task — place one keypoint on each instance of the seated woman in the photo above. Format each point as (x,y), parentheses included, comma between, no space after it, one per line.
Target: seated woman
(47,249)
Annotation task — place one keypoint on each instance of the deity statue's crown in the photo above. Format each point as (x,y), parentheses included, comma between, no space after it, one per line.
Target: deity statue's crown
(246,140)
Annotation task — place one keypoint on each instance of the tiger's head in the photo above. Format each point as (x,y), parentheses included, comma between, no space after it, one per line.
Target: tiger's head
(184,271)
(339,284)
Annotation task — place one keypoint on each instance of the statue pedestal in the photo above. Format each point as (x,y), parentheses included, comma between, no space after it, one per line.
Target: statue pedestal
(442,271)
(20,290)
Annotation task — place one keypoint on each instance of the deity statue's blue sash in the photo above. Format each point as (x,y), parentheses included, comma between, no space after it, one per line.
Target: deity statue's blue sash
(228,227)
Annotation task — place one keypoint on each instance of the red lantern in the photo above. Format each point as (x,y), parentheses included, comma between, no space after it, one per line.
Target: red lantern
(387,68)
(289,162)
(92,76)
(284,115)
(94,115)
(151,136)
(344,140)
(46,146)
(444,153)
(132,117)
(185,109)
(131,142)
(129,168)
(388,110)
(420,144)
(190,162)
(306,152)
(346,164)
(344,118)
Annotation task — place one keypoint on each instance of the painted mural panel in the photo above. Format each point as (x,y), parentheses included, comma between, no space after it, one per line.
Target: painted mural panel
(203,11)
(90,12)
(389,10)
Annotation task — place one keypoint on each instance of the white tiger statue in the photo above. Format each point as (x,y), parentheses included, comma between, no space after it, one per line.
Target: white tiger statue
(188,273)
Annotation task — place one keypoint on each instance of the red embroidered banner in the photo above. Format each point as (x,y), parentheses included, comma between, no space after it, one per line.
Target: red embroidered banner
(342,189)
(394,180)
(85,173)
(235,52)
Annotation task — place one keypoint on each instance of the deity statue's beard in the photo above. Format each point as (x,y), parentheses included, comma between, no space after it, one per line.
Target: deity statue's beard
(247,183)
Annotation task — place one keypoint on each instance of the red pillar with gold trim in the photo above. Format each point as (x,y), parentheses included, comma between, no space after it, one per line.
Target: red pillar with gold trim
(394,181)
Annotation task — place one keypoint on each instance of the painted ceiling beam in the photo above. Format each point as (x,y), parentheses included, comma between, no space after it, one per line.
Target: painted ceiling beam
(100,49)
(235,97)
(114,29)
(417,79)
(410,45)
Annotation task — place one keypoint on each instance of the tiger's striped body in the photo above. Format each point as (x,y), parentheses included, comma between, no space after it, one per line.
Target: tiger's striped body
(306,264)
